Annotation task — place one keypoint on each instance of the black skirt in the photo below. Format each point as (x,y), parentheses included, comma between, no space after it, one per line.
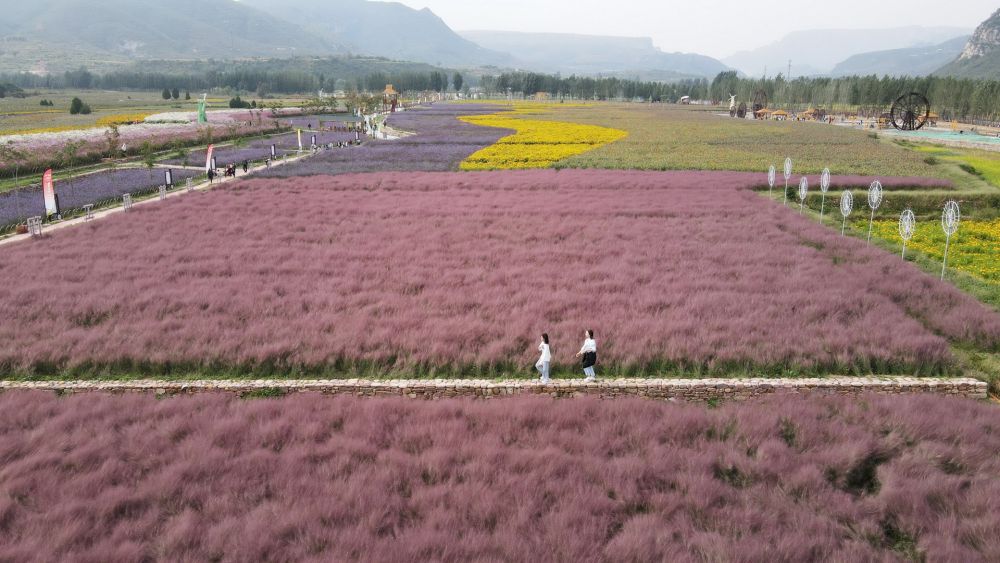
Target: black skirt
(589,359)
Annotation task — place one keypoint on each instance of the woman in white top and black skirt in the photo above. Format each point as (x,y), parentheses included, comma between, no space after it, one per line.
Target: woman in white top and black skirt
(589,355)
(545,360)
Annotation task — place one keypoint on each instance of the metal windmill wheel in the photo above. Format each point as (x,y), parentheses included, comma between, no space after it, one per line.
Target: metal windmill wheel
(910,112)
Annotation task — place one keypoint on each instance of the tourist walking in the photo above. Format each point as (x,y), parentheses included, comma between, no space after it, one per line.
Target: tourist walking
(588,353)
(246,166)
(211,175)
(545,359)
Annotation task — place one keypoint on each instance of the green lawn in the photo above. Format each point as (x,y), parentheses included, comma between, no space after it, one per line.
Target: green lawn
(669,137)
(982,163)
(25,114)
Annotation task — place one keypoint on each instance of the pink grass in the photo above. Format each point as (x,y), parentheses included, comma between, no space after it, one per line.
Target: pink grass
(459,273)
(105,478)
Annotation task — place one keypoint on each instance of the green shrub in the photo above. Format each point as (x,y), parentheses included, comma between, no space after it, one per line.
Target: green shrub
(265,393)
(971,169)
(238,103)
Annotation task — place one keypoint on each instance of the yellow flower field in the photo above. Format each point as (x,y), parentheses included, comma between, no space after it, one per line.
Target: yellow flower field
(117,119)
(55,129)
(975,249)
(122,119)
(536,143)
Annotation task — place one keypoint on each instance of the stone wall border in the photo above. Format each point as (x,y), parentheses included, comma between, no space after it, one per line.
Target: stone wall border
(662,389)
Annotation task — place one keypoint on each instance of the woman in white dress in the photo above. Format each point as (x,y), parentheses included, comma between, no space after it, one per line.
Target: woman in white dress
(545,359)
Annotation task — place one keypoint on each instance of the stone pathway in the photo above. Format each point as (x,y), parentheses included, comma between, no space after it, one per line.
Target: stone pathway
(672,389)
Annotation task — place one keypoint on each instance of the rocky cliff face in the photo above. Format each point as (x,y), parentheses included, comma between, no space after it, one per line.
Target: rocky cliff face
(985,40)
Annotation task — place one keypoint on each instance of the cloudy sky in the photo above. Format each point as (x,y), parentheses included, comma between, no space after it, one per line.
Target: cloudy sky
(703,26)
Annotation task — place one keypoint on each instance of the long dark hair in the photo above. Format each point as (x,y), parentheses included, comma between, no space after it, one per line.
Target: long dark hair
(545,337)
(590,333)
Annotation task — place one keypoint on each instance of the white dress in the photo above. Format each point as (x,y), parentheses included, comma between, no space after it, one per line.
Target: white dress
(546,356)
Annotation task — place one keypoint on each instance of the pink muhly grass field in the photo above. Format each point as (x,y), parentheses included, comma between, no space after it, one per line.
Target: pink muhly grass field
(214,478)
(457,274)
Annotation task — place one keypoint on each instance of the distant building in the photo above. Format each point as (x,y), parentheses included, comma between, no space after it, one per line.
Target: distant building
(390,99)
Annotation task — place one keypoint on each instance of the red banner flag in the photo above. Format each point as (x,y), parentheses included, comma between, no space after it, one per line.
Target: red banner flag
(208,158)
(49,193)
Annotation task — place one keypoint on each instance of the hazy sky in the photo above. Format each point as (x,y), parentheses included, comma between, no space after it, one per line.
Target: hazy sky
(717,28)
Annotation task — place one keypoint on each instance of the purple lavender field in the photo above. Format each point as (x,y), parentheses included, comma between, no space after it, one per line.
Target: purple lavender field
(259,149)
(92,188)
(314,478)
(440,142)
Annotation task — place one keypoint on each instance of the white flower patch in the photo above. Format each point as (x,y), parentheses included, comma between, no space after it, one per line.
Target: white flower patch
(222,116)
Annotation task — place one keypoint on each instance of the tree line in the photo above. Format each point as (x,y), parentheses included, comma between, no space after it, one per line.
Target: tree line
(10,90)
(261,81)
(527,84)
(951,97)
(433,81)
(960,98)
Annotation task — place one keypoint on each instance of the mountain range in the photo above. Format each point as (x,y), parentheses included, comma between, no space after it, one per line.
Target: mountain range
(118,31)
(817,52)
(981,56)
(592,54)
(56,35)
(181,29)
(385,29)
(913,61)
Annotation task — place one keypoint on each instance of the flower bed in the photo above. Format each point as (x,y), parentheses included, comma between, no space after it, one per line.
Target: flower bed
(223,117)
(317,120)
(457,274)
(260,149)
(440,142)
(536,143)
(90,189)
(117,478)
(674,137)
(42,148)
(122,119)
(975,248)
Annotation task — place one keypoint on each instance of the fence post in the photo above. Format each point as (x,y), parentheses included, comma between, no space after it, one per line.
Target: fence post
(35,226)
